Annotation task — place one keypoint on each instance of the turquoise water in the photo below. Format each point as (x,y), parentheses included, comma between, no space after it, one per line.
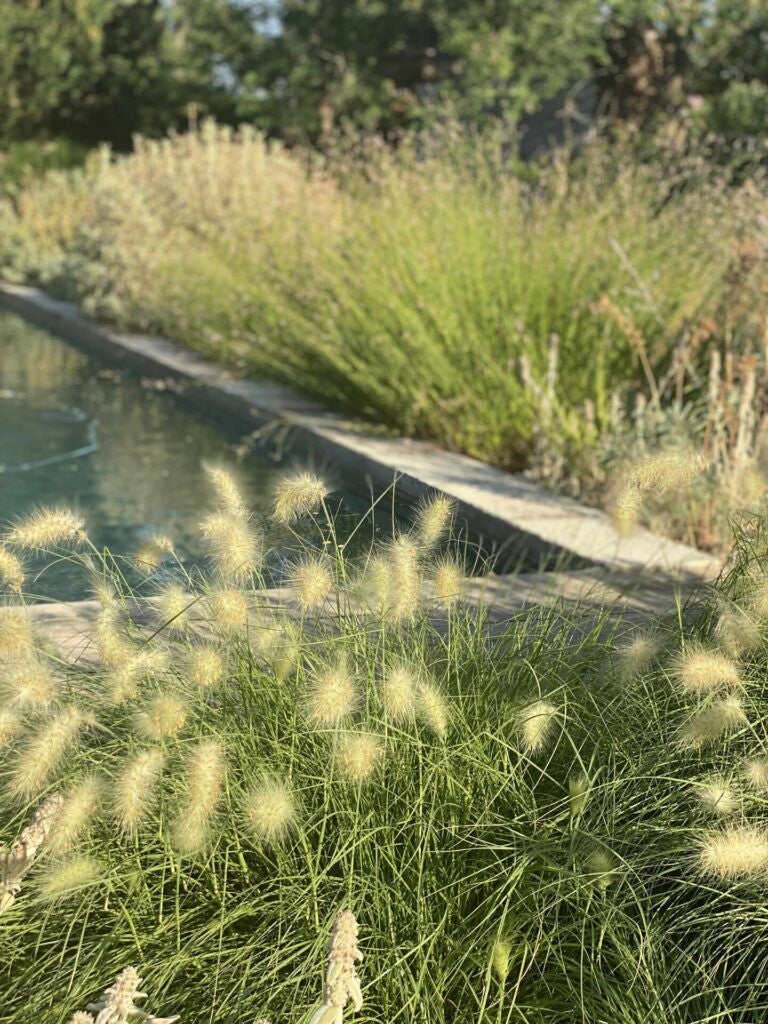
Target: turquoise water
(124,453)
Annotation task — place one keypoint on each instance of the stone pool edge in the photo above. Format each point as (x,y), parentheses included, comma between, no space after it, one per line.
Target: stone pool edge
(501,507)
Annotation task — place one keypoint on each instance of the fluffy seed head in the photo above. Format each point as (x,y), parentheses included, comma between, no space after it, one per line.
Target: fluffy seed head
(626,508)
(173,606)
(664,471)
(707,726)
(332,696)
(153,553)
(447,581)
(234,547)
(432,709)
(81,1018)
(11,570)
(16,634)
(701,671)
(228,494)
(501,953)
(79,805)
(602,866)
(112,644)
(433,520)
(162,717)
(737,632)
(45,749)
(203,782)
(404,579)
(716,796)
(134,787)
(756,773)
(229,608)
(358,754)
(734,852)
(270,809)
(312,579)
(536,725)
(297,496)
(578,794)
(205,665)
(48,528)
(398,691)
(68,877)
(758,599)
(28,682)
(636,655)
(10,725)
(124,680)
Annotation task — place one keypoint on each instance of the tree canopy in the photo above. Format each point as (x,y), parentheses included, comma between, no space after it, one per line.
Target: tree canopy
(100,70)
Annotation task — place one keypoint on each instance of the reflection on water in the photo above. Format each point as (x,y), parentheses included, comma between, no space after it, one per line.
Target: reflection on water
(128,457)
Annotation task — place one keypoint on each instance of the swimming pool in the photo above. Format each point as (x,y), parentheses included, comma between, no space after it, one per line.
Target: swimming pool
(121,450)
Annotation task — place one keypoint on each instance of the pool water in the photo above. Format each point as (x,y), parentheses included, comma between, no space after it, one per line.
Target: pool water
(123,452)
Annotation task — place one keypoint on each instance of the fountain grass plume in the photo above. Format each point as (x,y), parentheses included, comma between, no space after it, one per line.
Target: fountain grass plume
(16,633)
(162,716)
(124,680)
(501,954)
(312,580)
(658,473)
(737,633)
(173,604)
(433,520)
(738,851)
(45,749)
(228,494)
(28,682)
(701,670)
(432,709)
(204,665)
(716,795)
(447,579)
(11,725)
(636,655)
(234,547)
(62,879)
(48,528)
(398,691)
(602,867)
(203,783)
(15,863)
(358,754)
(342,984)
(11,570)
(81,1017)
(270,809)
(536,725)
(134,787)
(112,644)
(399,579)
(332,694)
(297,496)
(153,553)
(713,722)
(229,608)
(755,772)
(80,802)
(578,794)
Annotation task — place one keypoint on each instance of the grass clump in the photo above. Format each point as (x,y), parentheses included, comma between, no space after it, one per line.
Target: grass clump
(506,826)
(591,318)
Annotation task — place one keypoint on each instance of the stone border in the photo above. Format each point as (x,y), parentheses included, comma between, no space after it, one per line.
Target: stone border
(501,507)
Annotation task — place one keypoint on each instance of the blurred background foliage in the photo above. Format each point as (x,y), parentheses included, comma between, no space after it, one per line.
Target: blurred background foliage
(92,71)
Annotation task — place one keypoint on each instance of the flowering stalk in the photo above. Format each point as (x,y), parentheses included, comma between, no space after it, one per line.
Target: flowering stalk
(342,984)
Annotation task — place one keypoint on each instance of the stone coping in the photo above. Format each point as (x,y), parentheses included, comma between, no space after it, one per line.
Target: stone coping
(504,508)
